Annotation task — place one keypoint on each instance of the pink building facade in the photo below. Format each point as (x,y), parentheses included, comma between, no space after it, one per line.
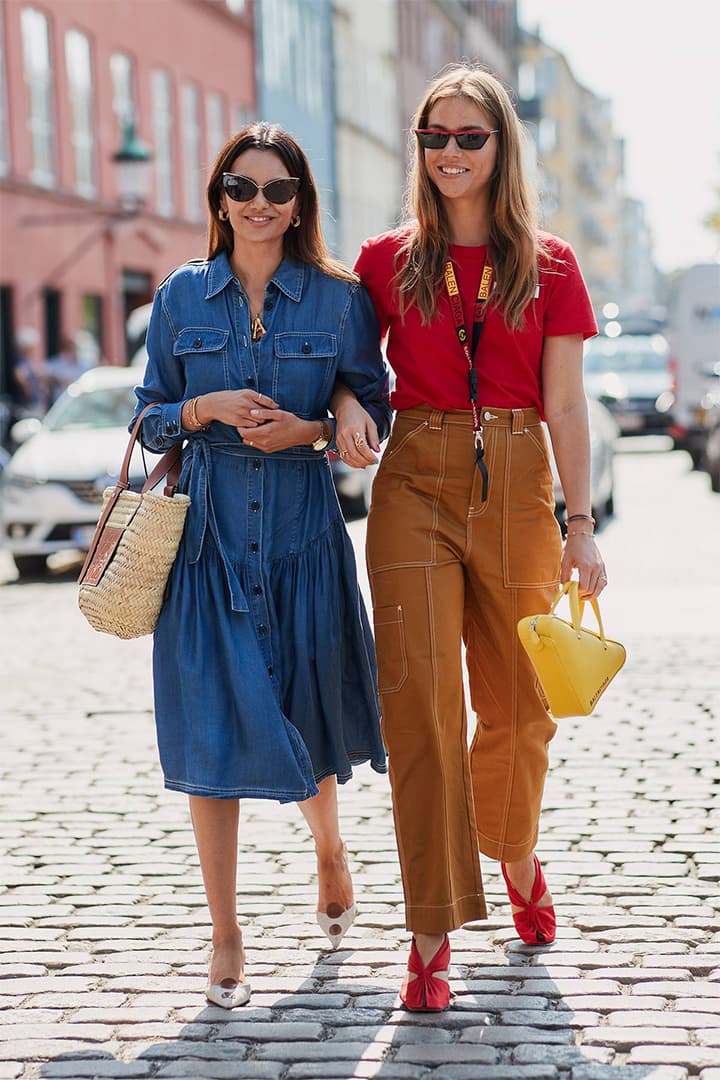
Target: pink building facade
(72,74)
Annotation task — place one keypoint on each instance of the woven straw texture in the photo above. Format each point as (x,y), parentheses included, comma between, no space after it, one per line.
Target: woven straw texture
(126,601)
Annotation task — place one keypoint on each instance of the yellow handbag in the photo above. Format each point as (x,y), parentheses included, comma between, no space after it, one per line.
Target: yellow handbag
(574,665)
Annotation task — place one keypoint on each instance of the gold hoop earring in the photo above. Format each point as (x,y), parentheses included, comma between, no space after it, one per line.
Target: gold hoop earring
(295,222)
(223,214)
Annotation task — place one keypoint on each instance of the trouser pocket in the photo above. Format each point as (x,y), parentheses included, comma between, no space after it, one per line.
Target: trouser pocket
(532,543)
(391,648)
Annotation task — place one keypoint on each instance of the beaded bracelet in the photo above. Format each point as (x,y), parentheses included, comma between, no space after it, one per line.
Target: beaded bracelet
(591,535)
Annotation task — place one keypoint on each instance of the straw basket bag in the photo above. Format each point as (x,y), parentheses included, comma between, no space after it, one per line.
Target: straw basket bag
(574,665)
(123,580)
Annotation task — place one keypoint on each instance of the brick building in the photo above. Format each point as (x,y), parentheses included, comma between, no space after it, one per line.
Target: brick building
(72,74)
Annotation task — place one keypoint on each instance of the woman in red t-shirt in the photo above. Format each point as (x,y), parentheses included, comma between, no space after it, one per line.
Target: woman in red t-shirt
(485,319)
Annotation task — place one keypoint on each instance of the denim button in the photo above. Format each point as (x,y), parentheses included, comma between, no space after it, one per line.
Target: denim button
(307,347)
(269,305)
(272,287)
(270,670)
(256,463)
(250,381)
(254,505)
(197,343)
(257,590)
(262,629)
(254,547)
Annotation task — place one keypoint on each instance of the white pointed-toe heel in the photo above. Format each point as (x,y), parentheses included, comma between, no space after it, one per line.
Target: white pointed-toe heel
(335,922)
(229,994)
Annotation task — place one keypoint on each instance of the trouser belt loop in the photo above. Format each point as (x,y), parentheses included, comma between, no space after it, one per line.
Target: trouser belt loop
(436,419)
(518,422)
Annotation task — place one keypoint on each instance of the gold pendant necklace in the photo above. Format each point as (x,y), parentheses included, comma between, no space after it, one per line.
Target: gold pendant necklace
(257,330)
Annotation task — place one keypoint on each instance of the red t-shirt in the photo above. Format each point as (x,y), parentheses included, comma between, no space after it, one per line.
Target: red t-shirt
(428,362)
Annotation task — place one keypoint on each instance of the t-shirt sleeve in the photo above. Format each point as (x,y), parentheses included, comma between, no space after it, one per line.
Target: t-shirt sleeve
(568,308)
(370,268)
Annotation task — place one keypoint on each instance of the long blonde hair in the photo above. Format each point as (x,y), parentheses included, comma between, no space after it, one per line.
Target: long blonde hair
(304,243)
(514,245)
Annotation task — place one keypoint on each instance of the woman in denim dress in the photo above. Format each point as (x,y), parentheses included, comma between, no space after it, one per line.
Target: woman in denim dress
(264,669)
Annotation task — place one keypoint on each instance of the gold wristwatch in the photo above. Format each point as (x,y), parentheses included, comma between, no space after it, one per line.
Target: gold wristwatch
(325,436)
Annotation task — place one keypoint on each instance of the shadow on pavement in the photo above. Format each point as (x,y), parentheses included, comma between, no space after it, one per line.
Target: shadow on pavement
(506,1023)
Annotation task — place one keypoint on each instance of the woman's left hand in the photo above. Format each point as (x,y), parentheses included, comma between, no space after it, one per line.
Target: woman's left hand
(581,553)
(356,435)
(277,430)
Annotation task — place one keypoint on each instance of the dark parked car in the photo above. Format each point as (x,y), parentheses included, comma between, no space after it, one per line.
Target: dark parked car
(631,375)
(603,433)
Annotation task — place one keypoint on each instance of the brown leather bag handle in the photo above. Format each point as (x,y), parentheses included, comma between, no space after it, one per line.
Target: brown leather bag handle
(168,465)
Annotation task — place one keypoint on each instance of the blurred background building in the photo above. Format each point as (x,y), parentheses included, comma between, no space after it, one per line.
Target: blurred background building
(95,95)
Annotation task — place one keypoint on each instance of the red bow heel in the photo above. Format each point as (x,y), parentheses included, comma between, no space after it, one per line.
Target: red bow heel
(535,925)
(429,991)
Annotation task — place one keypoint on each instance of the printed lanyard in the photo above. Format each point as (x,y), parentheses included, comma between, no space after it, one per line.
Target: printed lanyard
(479,313)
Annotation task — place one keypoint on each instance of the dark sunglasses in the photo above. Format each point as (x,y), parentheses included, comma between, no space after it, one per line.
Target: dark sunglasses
(243,189)
(430,139)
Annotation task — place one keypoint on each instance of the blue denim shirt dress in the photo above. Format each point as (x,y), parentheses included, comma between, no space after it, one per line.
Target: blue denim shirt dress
(263,658)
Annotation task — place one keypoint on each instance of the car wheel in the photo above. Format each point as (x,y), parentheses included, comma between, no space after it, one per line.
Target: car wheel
(30,565)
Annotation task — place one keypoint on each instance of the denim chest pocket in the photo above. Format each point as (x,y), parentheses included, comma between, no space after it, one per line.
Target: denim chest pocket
(304,371)
(203,350)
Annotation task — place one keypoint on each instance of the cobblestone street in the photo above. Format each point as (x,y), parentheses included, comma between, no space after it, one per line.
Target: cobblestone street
(104,930)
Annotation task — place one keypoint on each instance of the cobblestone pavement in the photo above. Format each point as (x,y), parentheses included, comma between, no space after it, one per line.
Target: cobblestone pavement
(103,930)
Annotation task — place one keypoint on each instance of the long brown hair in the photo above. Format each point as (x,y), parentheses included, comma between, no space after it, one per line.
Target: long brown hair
(513,241)
(304,243)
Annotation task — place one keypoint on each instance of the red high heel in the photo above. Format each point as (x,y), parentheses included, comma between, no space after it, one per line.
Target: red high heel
(535,925)
(430,990)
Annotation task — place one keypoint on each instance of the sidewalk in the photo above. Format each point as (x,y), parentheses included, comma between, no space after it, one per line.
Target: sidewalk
(104,930)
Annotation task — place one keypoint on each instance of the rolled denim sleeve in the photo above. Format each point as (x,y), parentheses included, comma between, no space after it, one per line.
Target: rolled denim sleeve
(361,366)
(163,384)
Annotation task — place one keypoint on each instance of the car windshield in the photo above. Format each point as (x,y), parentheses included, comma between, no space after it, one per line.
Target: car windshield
(103,407)
(627,354)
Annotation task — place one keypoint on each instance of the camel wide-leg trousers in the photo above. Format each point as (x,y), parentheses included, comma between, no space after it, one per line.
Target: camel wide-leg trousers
(446,567)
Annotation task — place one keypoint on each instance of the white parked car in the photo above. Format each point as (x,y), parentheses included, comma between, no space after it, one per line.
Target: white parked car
(51,489)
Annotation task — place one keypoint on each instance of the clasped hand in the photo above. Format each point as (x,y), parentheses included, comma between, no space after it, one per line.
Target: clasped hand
(259,420)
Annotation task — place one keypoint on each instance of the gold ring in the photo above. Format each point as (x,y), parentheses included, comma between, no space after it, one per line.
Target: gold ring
(343,453)
(358,439)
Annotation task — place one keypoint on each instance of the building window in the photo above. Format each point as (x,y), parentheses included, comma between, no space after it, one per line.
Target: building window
(4,133)
(294,40)
(163,129)
(527,89)
(80,84)
(121,74)
(216,128)
(90,345)
(547,135)
(38,79)
(191,151)
(52,304)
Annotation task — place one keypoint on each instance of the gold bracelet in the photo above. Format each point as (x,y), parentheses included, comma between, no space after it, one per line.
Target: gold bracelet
(576,533)
(194,416)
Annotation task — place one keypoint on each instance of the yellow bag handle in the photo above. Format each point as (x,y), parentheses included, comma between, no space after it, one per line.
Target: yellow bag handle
(577,607)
